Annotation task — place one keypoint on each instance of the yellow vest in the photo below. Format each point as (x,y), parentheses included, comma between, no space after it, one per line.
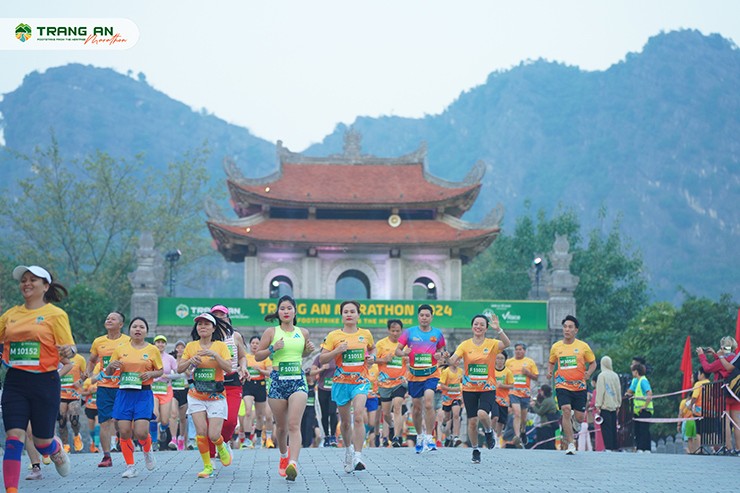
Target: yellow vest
(639,400)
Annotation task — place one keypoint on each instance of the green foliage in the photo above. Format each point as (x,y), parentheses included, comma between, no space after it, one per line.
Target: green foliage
(82,219)
(86,308)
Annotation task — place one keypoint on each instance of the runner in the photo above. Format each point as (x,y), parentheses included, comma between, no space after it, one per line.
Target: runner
(254,391)
(234,378)
(372,418)
(208,357)
(138,364)
(88,391)
(571,356)
(101,351)
(450,383)
(286,344)
(178,415)
(392,385)
(423,345)
(525,372)
(35,335)
(324,373)
(309,424)
(163,393)
(351,349)
(505,382)
(69,407)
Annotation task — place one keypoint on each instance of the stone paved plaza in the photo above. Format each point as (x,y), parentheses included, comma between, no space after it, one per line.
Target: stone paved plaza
(397,470)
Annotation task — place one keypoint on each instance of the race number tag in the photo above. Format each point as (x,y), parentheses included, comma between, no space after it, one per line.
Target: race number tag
(130,380)
(159,388)
(478,371)
(290,370)
(25,353)
(422,360)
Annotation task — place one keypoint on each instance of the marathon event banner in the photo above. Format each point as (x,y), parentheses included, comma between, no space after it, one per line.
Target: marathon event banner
(516,315)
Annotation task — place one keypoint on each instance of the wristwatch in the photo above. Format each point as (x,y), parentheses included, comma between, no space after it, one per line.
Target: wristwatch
(272,349)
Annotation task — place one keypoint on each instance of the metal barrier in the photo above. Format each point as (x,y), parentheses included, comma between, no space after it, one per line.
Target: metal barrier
(712,425)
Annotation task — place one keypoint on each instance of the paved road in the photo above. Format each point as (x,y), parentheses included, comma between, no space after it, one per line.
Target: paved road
(396,470)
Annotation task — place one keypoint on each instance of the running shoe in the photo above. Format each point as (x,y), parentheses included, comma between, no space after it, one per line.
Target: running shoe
(430,444)
(180,443)
(67,448)
(283,466)
(257,442)
(269,443)
(247,444)
(106,462)
(326,442)
(35,474)
(93,448)
(386,443)
(150,461)
(333,442)
(490,442)
(207,472)
(476,456)
(349,455)
(130,472)
(60,460)
(224,455)
(396,442)
(419,444)
(448,442)
(291,472)
(517,442)
(191,445)
(78,443)
(359,465)
(456,442)
(173,444)
(46,460)
(571,449)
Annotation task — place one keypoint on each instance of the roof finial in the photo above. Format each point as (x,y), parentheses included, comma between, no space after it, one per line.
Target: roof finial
(352,139)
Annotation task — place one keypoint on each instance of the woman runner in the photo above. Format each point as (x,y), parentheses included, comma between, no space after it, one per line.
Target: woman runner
(35,335)
(139,364)
(208,358)
(286,345)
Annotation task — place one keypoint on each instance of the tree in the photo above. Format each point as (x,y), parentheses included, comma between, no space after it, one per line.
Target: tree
(82,218)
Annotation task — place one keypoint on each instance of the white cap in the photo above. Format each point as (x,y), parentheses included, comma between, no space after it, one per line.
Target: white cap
(206,316)
(33,269)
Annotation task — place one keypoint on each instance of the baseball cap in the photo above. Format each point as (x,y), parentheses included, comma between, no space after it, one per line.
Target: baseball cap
(180,341)
(206,316)
(33,269)
(220,308)
(160,337)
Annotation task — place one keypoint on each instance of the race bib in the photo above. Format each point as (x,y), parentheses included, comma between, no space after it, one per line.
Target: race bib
(67,381)
(179,384)
(353,358)
(454,389)
(311,400)
(520,380)
(568,362)
(328,382)
(478,371)
(396,362)
(253,372)
(130,380)
(106,360)
(159,388)
(25,353)
(290,370)
(204,375)
(422,360)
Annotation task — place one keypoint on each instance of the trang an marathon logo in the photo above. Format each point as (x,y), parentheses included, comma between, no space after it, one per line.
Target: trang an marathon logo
(68,34)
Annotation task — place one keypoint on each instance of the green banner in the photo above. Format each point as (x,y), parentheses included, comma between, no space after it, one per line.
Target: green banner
(517,315)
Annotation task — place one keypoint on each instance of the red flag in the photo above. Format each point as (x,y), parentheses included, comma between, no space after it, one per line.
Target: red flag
(686,365)
(737,326)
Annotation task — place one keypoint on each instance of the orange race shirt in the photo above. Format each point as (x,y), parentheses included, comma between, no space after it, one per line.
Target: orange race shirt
(103,348)
(393,373)
(208,370)
(254,367)
(31,337)
(522,382)
(68,381)
(135,362)
(479,363)
(452,379)
(571,361)
(503,377)
(91,401)
(351,367)
(372,375)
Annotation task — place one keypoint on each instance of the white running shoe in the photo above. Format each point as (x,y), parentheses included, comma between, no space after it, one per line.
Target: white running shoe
(349,456)
(571,449)
(130,472)
(150,461)
(61,460)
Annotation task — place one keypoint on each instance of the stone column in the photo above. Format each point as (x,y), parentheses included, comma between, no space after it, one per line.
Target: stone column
(311,278)
(147,281)
(253,282)
(394,278)
(453,279)
(561,285)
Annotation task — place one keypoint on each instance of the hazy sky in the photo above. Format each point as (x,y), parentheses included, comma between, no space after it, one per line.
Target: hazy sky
(292,70)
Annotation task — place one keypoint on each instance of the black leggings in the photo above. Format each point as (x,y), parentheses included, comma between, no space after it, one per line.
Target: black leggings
(329,417)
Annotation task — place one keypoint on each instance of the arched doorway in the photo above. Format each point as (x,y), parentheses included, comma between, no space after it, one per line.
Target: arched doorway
(424,289)
(352,285)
